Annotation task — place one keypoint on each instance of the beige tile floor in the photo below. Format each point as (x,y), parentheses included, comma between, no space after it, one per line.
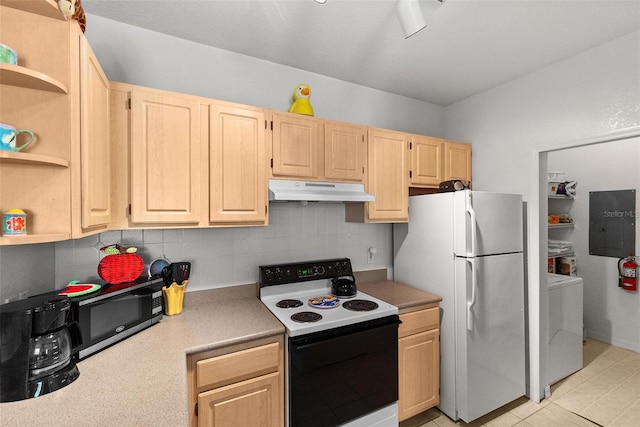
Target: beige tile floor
(606,392)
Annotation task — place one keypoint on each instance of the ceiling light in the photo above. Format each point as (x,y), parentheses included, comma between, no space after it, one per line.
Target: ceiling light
(410,16)
(321,1)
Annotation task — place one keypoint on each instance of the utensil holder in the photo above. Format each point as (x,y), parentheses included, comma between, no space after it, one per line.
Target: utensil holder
(173,297)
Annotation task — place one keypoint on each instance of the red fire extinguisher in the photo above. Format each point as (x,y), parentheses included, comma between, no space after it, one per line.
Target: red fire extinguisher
(628,271)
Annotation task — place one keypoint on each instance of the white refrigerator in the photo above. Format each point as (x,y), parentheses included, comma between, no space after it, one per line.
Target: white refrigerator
(467,247)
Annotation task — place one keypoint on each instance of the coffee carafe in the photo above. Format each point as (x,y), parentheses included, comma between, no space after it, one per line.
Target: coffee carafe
(37,345)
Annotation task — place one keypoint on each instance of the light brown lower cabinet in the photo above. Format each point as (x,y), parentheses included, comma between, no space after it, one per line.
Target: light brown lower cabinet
(249,403)
(418,362)
(238,386)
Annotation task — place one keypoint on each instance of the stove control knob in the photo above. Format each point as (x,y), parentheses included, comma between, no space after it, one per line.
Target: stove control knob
(278,274)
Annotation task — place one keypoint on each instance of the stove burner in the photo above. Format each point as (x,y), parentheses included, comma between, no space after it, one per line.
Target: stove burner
(306,317)
(289,303)
(360,305)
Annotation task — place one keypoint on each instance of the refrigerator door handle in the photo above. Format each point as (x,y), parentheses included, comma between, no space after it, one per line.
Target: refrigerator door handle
(474,291)
(473,226)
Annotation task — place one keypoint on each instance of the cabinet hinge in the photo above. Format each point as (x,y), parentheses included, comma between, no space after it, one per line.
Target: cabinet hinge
(129,103)
(196,409)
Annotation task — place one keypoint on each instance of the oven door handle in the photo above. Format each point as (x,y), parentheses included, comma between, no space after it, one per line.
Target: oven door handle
(319,337)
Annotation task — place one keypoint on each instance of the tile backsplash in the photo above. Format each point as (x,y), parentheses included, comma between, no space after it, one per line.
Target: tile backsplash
(231,256)
(26,270)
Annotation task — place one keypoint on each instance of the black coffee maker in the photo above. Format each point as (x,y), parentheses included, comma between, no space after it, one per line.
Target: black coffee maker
(37,345)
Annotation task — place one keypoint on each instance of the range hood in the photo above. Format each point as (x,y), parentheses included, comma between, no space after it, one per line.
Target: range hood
(312,191)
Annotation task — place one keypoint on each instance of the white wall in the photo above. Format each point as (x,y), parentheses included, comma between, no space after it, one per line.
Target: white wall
(26,270)
(138,56)
(588,94)
(610,313)
(593,93)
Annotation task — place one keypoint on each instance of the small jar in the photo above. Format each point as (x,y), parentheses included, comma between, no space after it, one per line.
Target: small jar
(14,223)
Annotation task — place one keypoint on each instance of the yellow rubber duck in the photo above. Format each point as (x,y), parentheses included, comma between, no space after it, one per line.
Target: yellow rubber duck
(301,103)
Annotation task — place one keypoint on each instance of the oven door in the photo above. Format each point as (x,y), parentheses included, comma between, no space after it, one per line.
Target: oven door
(338,375)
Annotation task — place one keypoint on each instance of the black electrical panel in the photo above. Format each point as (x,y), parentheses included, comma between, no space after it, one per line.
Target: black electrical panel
(612,222)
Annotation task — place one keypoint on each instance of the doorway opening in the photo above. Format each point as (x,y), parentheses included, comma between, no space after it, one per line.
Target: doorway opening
(538,303)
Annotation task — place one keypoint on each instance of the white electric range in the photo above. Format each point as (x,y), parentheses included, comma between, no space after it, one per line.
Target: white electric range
(341,352)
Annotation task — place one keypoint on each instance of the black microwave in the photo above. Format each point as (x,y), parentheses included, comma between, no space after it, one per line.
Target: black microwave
(116,313)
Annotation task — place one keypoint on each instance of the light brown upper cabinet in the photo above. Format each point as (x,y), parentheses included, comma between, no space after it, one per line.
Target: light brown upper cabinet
(35,94)
(388,179)
(457,161)
(345,151)
(309,148)
(426,161)
(296,145)
(95,147)
(237,161)
(165,180)
(67,169)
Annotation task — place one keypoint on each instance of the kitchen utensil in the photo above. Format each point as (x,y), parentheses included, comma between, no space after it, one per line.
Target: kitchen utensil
(180,271)
(167,276)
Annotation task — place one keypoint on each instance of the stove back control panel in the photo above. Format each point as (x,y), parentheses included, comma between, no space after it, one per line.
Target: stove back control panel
(279,274)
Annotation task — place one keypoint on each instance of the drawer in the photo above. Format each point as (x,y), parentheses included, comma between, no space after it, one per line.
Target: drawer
(239,366)
(419,321)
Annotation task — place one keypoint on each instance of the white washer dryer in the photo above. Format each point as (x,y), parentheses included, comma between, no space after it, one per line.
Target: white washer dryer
(565,326)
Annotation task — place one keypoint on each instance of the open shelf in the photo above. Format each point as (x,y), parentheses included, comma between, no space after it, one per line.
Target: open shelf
(31,159)
(48,8)
(561,254)
(561,196)
(562,225)
(34,238)
(16,75)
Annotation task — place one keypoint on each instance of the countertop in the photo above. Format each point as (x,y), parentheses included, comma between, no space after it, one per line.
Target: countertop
(142,380)
(399,294)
